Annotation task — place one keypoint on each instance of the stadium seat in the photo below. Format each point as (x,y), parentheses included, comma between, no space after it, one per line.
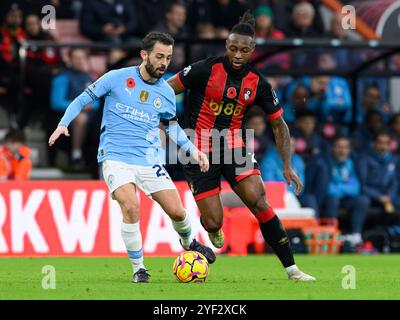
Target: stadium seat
(67,31)
(293,208)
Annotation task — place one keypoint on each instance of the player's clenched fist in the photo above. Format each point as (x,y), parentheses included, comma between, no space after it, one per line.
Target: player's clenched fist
(56,134)
(202,159)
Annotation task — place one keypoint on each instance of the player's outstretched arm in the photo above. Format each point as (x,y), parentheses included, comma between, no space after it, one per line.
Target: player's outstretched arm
(70,114)
(282,140)
(92,93)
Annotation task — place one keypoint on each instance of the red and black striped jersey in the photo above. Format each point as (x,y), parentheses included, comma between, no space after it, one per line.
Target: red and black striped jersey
(219,96)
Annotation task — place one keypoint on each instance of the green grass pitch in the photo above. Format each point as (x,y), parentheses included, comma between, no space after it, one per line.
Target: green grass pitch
(231,277)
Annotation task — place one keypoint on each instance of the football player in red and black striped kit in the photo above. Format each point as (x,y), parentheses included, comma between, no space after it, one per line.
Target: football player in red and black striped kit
(221,91)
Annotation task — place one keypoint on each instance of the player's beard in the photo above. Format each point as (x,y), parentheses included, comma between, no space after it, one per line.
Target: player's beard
(152,71)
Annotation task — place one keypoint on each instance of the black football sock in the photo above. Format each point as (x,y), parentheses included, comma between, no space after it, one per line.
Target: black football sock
(275,235)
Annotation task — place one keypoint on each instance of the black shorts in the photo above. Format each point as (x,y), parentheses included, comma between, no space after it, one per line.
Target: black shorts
(205,184)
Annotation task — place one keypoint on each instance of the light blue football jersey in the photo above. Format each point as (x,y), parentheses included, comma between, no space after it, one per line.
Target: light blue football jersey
(132,112)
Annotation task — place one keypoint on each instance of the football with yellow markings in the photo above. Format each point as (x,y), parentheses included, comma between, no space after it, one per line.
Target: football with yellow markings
(191,266)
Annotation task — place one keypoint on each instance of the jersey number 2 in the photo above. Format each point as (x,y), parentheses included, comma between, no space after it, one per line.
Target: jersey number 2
(160,171)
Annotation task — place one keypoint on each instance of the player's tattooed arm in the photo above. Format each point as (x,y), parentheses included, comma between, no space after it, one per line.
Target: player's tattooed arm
(282,140)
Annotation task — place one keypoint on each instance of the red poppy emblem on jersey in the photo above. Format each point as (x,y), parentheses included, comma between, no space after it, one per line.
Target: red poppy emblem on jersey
(231,93)
(130,83)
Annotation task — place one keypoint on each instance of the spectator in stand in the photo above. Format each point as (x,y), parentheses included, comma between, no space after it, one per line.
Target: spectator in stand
(15,163)
(280,84)
(331,127)
(221,32)
(345,58)
(337,31)
(379,178)
(174,23)
(255,120)
(66,87)
(5,6)
(42,64)
(283,12)
(372,101)
(363,135)
(151,13)
(109,20)
(174,20)
(296,103)
(26,6)
(333,182)
(264,24)
(330,98)
(380,82)
(326,61)
(271,165)
(206,31)
(64,8)
(308,142)
(11,36)
(395,129)
(34,32)
(395,62)
(198,12)
(226,13)
(302,22)
(266,30)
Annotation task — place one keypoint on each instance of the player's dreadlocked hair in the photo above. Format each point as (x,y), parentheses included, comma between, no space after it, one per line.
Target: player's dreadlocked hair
(246,25)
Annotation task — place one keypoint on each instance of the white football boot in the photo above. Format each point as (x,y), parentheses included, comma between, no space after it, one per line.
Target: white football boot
(298,275)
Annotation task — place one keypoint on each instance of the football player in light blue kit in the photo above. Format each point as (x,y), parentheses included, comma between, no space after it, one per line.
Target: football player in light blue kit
(137,99)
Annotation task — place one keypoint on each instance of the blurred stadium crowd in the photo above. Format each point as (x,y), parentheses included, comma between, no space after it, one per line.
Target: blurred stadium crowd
(347,156)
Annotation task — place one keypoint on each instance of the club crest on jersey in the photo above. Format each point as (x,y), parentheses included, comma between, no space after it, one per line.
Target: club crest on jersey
(144,95)
(275,97)
(157,103)
(231,93)
(247,94)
